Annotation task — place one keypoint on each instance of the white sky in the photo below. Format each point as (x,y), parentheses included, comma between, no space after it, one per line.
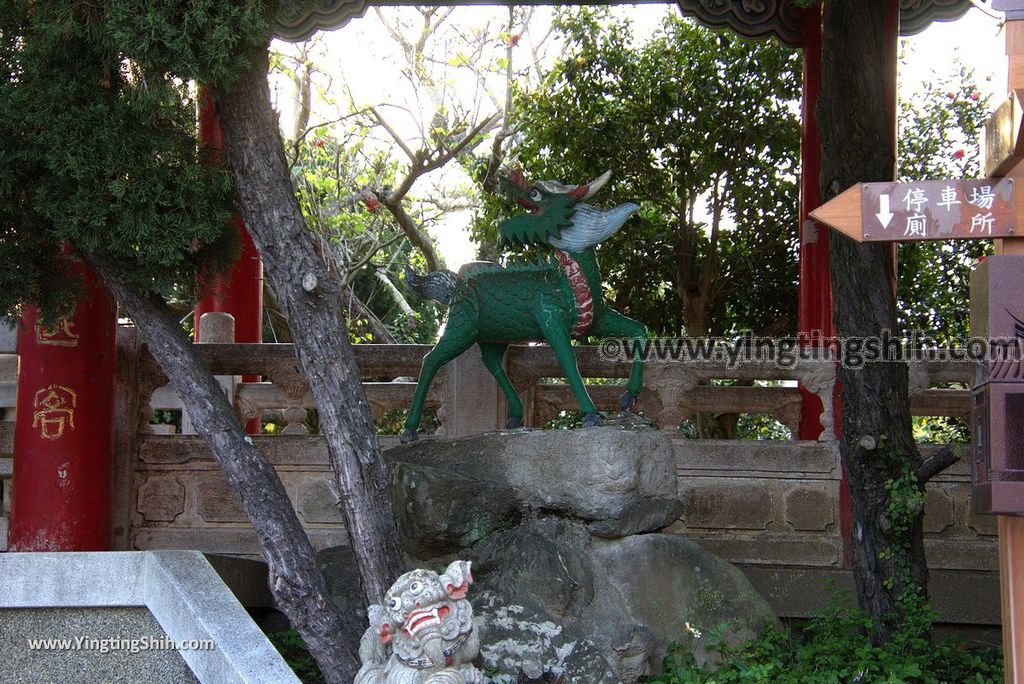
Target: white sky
(363,56)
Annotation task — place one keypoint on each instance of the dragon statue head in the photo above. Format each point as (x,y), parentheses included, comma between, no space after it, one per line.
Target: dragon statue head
(426,624)
(556,213)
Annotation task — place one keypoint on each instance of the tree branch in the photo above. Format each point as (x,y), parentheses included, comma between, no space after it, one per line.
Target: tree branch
(295,580)
(418,239)
(428,164)
(944,458)
(382,122)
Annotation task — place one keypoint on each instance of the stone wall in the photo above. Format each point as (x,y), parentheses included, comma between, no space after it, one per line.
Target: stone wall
(770,507)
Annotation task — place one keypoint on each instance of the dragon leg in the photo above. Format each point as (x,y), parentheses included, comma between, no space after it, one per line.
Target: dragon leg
(459,335)
(553,321)
(492,353)
(614,324)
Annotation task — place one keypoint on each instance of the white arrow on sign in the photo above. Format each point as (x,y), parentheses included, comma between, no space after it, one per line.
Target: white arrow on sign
(884,215)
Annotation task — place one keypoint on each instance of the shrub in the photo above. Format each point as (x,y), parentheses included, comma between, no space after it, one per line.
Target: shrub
(836,647)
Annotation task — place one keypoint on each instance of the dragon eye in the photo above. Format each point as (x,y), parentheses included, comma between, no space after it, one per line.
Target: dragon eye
(535,195)
(392,603)
(415,587)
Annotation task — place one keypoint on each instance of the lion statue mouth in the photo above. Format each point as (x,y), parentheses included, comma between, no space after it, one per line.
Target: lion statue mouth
(422,619)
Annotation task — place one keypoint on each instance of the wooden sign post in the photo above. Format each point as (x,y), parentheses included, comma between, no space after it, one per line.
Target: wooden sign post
(1009,158)
(964,209)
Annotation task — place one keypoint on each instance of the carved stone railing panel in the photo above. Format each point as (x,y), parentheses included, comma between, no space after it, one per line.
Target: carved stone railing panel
(676,390)
(673,391)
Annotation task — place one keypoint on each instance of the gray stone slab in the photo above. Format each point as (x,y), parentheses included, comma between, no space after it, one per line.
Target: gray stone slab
(64,580)
(185,595)
(77,639)
(8,366)
(191,602)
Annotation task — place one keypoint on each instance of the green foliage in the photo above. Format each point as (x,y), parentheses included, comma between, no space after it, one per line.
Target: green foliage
(836,647)
(940,128)
(210,41)
(358,239)
(99,154)
(696,127)
(941,430)
(293,649)
(904,506)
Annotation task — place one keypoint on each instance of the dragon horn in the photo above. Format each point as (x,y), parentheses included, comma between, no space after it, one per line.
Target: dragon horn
(584,192)
(517,178)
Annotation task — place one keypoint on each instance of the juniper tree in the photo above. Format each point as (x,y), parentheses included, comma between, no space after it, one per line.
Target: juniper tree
(100,162)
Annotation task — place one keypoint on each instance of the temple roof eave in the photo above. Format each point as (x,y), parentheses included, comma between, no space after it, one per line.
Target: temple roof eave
(298,20)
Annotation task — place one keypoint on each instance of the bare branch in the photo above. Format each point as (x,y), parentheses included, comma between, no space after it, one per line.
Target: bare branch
(413,157)
(354,269)
(309,129)
(427,165)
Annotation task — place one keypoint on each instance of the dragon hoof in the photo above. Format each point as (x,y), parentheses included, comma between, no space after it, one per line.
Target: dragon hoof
(592,420)
(514,422)
(626,402)
(409,435)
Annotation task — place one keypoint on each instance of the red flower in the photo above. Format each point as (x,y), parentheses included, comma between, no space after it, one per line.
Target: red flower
(959,154)
(369,200)
(951,95)
(320,142)
(975,95)
(513,40)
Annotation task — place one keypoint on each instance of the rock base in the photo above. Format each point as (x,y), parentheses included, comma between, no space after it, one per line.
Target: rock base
(571,569)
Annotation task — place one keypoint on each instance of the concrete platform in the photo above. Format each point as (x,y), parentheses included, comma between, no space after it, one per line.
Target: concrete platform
(181,592)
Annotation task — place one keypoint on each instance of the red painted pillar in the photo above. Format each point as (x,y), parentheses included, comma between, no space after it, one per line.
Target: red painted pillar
(239,292)
(815,291)
(64,439)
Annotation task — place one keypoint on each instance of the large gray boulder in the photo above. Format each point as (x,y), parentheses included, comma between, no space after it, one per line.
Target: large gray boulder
(571,569)
(455,492)
(572,595)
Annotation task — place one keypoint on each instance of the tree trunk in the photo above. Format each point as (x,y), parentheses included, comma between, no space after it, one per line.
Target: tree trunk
(310,296)
(877,447)
(295,581)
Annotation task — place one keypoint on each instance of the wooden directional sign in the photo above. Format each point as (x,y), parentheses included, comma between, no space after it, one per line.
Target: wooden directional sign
(1004,146)
(923,210)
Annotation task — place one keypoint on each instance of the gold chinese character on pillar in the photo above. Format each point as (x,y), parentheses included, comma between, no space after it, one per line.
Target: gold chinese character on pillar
(59,335)
(54,411)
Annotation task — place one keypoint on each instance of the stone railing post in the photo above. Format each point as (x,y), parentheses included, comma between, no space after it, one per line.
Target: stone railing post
(8,393)
(472,402)
(215,327)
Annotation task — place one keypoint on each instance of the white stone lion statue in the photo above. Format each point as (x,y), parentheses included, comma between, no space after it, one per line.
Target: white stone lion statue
(424,633)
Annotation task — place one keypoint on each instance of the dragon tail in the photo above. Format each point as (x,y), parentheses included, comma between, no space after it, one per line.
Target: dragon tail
(438,286)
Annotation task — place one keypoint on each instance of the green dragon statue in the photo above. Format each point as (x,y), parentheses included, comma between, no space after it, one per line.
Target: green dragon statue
(554,299)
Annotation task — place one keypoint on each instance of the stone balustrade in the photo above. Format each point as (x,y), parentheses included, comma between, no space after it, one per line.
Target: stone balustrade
(467,400)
